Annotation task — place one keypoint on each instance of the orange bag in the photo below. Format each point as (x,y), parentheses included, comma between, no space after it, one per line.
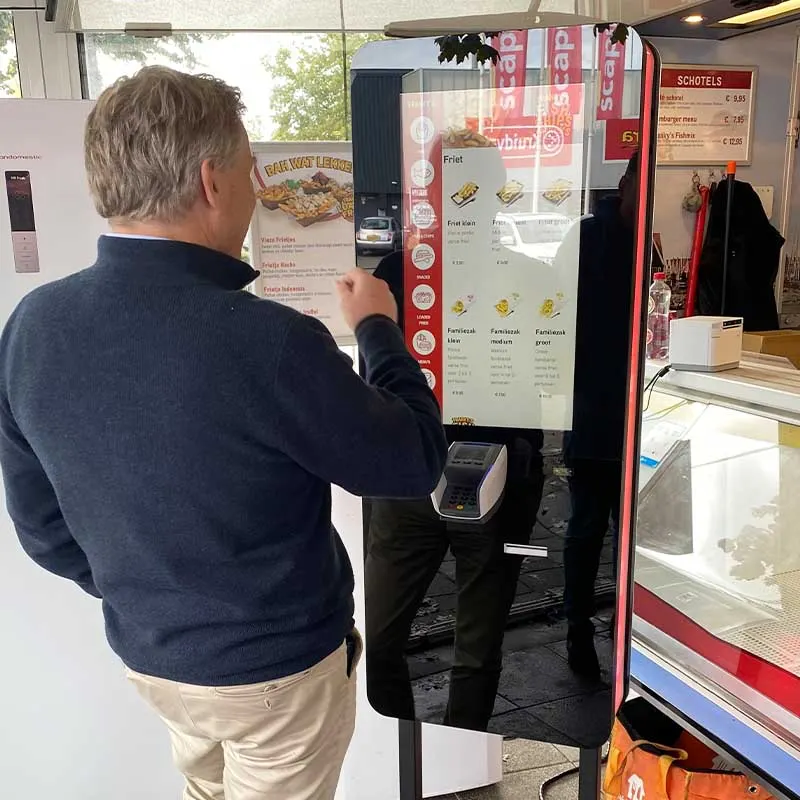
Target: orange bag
(641,768)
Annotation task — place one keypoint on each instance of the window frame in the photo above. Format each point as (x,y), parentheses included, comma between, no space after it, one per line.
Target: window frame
(47,61)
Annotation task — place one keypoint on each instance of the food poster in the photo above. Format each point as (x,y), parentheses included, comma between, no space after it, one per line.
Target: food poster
(491,302)
(303,232)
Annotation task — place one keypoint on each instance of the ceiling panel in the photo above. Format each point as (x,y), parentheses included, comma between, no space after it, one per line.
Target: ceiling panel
(352,15)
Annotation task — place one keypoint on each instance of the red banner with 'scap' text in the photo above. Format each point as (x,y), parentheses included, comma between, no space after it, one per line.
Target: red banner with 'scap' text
(565,64)
(508,75)
(611,76)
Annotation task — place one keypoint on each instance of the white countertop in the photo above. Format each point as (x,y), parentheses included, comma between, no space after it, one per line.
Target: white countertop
(767,385)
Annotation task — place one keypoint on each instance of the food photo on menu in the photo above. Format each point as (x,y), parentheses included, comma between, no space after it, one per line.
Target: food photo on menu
(319,198)
(559,192)
(462,305)
(466,194)
(510,192)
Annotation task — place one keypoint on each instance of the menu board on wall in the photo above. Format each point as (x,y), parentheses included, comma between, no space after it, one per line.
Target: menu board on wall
(302,231)
(491,310)
(706,115)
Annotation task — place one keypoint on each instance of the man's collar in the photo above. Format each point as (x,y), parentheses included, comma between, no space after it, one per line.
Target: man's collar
(116,235)
(169,263)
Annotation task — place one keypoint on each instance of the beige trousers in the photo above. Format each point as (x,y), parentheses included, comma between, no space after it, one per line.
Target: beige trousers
(281,740)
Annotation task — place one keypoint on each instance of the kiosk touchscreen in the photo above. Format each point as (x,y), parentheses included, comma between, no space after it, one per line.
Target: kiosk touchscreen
(489,604)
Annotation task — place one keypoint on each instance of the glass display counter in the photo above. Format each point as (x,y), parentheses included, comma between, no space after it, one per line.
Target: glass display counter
(717,600)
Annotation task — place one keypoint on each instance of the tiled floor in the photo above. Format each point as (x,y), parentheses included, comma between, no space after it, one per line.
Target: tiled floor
(527,765)
(543,708)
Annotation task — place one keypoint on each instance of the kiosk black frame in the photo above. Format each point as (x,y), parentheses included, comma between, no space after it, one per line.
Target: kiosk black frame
(590,759)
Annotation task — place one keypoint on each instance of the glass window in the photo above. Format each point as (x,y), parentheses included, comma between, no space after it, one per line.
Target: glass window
(295,86)
(9,73)
(375,224)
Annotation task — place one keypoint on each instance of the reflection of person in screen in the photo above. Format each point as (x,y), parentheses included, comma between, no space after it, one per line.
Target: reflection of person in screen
(406,546)
(593,449)
(408,541)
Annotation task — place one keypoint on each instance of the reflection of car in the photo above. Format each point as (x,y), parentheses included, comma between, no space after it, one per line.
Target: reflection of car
(533,235)
(378,233)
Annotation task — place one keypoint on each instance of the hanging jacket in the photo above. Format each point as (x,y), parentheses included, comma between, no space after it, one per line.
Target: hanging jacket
(754,248)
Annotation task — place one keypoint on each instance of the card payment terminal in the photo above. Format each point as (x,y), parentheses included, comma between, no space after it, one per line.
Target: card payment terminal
(473,482)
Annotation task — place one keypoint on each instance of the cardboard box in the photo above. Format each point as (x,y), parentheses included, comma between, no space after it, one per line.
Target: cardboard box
(774,343)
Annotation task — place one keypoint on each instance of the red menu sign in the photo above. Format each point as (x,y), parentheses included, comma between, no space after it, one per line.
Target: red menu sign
(508,74)
(705,114)
(565,63)
(611,76)
(621,140)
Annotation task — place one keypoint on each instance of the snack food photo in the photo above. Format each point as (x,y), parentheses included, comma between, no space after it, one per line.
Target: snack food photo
(457,138)
(558,192)
(272,195)
(462,305)
(551,307)
(466,194)
(308,209)
(319,182)
(507,305)
(510,192)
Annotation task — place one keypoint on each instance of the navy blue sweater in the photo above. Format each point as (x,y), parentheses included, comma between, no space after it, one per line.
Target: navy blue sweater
(168,442)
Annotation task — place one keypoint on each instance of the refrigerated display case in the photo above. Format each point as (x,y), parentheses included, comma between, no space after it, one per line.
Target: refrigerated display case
(716,629)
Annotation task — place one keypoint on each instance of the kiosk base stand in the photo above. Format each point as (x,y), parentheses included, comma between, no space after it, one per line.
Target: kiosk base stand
(410,741)
(589,774)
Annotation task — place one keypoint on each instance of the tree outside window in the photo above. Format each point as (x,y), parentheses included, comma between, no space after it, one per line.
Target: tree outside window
(9,74)
(311,92)
(295,86)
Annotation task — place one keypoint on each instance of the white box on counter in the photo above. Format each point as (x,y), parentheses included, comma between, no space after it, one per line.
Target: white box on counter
(705,344)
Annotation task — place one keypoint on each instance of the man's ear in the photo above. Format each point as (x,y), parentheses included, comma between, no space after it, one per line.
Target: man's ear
(208,182)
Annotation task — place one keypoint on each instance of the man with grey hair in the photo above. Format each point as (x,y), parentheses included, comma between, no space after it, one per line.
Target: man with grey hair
(168,441)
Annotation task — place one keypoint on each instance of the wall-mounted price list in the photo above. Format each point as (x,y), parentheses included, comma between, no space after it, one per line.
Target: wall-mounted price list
(706,115)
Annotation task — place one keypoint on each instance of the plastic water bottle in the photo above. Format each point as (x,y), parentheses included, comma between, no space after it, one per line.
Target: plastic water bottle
(658,319)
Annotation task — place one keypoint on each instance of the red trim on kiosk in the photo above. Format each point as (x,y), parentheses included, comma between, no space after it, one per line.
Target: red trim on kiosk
(631,455)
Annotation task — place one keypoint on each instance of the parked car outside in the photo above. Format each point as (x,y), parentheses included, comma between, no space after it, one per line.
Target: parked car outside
(379,234)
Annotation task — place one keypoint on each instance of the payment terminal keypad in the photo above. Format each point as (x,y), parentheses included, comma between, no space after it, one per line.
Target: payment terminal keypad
(462,498)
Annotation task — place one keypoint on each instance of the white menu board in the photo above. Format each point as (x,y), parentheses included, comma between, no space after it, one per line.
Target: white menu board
(489,316)
(302,232)
(705,115)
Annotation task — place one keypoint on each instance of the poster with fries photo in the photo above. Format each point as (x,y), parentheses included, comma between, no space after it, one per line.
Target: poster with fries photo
(303,229)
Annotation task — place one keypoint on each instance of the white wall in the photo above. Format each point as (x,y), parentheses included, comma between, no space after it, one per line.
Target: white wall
(72,728)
